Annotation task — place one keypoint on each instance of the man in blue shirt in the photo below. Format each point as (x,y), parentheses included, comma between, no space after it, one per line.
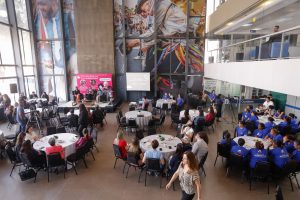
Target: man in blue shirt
(166,96)
(239,149)
(241,130)
(279,154)
(258,154)
(179,101)
(270,123)
(20,117)
(246,115)
(260,132)
(212,96)
(153,153)
(296,154)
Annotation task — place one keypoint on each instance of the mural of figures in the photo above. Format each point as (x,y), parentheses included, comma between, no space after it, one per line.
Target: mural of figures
(162,25)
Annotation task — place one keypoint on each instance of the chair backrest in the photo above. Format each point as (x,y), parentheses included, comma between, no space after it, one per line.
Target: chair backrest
(224,149)
(203,159)
(54,160)
(131,108)
(235,160)
(73,121)
(289,167)
(165,106)
(61,130)
(278,194)
(139,134)
(51,130)
(25,160)
(117,151)
(131,122)
(262,169)
(131,158)
(153,164)
(162,120)
(10,153)
(151,130)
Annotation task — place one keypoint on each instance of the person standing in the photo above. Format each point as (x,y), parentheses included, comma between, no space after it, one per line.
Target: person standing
(83,120)
(21,119)
(219,104)
(188,177)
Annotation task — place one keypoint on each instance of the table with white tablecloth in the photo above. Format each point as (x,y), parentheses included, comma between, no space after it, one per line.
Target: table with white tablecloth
(250,142)
(141,117)
(193,114)
(66,140)
(160,102)
(167,144)
(35,100)
(264,119)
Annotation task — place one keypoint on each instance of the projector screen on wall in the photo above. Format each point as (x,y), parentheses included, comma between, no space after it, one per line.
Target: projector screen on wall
(138,81)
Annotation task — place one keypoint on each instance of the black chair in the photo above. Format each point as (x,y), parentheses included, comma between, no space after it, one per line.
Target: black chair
(118,155)
(261,172)
(235,161)
(132,124)
(250,126)
(51,130)
(152,166)
(161,122)
(132,162)
(131,108)
(76,157)
(165,108)
(175,119)
(202,162)
(223,150)
(88,147)
(12,156)
(289,170)
(61,130)
(210,124)
(30,165)
(54,160)
(278,194)
(121,125)
(139,134)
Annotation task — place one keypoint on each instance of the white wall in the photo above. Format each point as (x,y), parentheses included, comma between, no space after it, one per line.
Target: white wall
(274,75)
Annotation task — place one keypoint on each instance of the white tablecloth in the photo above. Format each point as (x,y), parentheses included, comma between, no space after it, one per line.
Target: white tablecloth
(37,109)
(264,119)
(66,140)
(250,141)
(160,102)
(140,121)
(77,112)
(36,100)
(192,113)
(167,146)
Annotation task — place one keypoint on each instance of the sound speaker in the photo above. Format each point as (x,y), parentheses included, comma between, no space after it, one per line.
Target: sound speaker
(13,88)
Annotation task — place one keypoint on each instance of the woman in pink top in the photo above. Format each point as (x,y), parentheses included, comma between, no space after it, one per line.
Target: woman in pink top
(82,140)
(55,148)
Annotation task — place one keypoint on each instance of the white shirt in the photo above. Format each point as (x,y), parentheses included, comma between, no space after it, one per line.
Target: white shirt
(267,104)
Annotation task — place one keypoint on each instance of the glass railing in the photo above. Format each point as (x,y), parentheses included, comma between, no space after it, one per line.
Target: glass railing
(280,45)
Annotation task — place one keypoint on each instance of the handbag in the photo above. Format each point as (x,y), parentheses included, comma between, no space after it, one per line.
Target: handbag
(27,174)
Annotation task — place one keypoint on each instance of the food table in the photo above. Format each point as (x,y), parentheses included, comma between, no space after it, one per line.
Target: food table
(250,141)
(167,144)
(141,117)
(160,102)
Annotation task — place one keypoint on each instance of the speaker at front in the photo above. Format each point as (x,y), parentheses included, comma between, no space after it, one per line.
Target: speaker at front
(13,88)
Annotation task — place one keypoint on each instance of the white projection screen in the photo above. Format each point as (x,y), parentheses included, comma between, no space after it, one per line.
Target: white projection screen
(138,81)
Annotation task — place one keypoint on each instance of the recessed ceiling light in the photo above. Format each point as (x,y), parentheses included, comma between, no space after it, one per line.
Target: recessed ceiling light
(248,24)
(267,3)
(257,29)
(230,23)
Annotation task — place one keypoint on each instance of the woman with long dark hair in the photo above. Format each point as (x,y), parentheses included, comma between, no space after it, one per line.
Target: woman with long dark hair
(83,120)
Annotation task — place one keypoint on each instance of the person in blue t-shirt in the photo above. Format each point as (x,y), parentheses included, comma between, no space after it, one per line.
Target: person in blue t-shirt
(289,143)
(260,132)
(241,130)
(257,154)
(279,114)
(227,139)
(286,122)
(212,96)
(20,115)
(270,124)
(296,154)
(153,153)
(254,118)
(279,154)
(294,122)
(246,114)
(179,101)
(166,96)
(274,135)
(239,149)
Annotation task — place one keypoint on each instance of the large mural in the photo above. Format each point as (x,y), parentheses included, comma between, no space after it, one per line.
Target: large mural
(162,37)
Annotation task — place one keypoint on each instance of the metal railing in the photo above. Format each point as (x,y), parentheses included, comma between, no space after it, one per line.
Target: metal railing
(280,45)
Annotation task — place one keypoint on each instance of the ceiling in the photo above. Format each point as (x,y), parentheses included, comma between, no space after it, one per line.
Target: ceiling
(285,13)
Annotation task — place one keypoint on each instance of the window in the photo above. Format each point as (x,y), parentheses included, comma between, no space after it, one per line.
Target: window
(25,45)
(6,49)
(8,72)
(5,88)
(3,12)
(21,13)
(29,85)
(28,71)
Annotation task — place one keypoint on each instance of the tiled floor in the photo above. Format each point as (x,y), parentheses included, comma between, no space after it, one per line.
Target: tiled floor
(101,181)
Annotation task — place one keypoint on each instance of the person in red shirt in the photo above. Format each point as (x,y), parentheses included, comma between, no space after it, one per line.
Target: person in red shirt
(210,116)
(121,142)
(55,148)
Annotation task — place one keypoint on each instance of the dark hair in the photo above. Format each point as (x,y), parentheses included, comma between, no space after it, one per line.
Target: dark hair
(291,137)
(26,147)
(72,111)
(145,97)
(27,128)
(291,115)
(201,113)
(251,107)
(288,119)
(242,122)
(269,98)
(211,110)
(192,162)
(20,138)
(262,125)
(279,143)
(276,26)
(82,107)
(275,130)
(179,150)
(241,141)
(154,144)
(259,145)
(227,136)
(271,119)
(203,136)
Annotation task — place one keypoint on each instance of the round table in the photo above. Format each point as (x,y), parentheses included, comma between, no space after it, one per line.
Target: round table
(263,119)
(66,140)
(160,102)
(141,117)
(193,113)
(250,142)
(167,144)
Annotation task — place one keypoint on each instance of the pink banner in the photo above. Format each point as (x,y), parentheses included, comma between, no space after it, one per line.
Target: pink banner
(85,81)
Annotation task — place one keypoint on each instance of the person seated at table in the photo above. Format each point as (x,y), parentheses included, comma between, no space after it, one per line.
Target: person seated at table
(270,124)
(200,147)
(166,96)
(73,120)
(254,118)
(240,149)
(294,122)
(186,118)
(36,158)
(187,133)
(296,154)
(289,143)
(45,96)
(210,117)
(82,140)
(83,119)
(241,130)
(55,148)
(226,139)
(246,114)
(31,135)
(279,154)
(135,148)
(257,154)
(175,160)
(279,114)
(199,121)
(153,153)
(179,101)
(121,142)
(33,95)
(260,132)
(274,135)
(268,103)
(286,122)
(145,103)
